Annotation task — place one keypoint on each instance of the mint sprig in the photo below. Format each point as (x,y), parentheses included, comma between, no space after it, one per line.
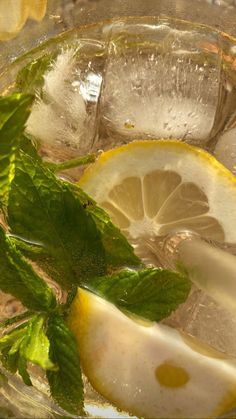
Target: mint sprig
(57,225)
(151,293)
(63,230)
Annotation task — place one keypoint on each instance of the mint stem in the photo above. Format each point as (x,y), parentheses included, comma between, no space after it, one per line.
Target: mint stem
(69,164)
(15,319)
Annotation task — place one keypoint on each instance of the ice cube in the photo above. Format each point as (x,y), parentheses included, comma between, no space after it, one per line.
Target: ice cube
(201,316)
(214,325)
(210,311)
(165,89)
(63,118)
(225,150)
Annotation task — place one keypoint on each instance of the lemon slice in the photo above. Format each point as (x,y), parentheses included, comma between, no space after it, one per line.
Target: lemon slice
(148,369)
(14,13)
(37,9)
(157,187)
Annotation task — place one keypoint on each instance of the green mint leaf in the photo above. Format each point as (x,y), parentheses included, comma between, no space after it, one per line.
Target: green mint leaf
(9,340)
(66,384)
(42,209)
(118,251)
(31,77)
(9,347)
(10,362)
(78,240)
(8,105)
(35,347)
(22,369)
(19,279)
(150,293)
(14,112)
(27,343)
(27,145)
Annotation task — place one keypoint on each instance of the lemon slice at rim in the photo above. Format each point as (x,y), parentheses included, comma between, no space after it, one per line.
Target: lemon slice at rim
(14,13)
(37,9)
(156,187)
(148,369)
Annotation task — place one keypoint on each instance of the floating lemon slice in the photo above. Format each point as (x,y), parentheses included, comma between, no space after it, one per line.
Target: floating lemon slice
(157,187)
(14,13)
(149,370)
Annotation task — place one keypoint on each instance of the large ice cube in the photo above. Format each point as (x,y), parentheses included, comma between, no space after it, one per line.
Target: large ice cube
(63,118)
(158,83)
(225,150)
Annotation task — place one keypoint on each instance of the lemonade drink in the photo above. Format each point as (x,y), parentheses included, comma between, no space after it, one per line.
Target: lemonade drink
(98,89)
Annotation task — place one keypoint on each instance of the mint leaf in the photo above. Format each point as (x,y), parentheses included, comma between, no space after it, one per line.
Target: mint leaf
(78,239)
(8,106)
(66,384)
(22,369)
(35,347)
(150,293)
(10,339)
(9,347)
(27,343)
(43,209)
(31,77)
(14,112)
(28,146)
(19,279)
(118,251)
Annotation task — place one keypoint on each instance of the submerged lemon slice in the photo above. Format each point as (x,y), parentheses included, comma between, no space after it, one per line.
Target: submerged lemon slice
(149,370)
(156,187)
